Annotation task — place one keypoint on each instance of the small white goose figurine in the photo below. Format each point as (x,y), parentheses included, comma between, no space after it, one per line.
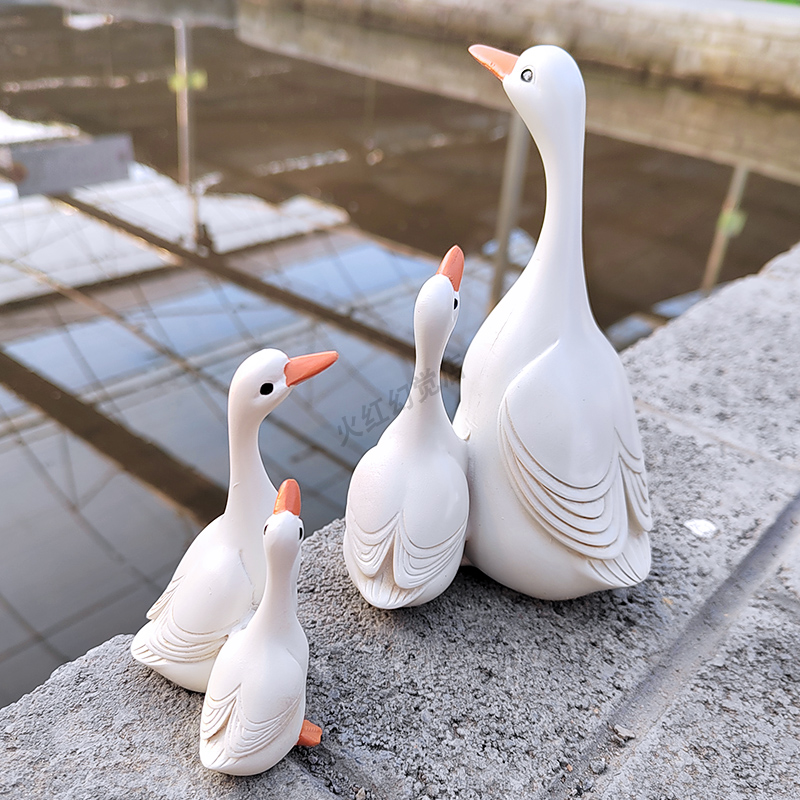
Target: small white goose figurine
(220,578)
(558,494)
(253,712)
(408,501)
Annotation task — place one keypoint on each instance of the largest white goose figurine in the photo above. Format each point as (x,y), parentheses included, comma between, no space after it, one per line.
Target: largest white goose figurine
(220,580)
(558,496)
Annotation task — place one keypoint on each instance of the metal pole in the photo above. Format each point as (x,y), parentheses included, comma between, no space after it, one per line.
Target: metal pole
(729,224)
(510,198)
(184,112)
(370,99)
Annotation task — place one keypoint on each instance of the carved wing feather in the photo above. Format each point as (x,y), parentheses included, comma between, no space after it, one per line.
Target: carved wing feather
(629,567)
(165,640)
(576,462)
(635,478)
(571,449)
(585,509)
(370,548)
(413,565)
(590,520)
(210,595)
(160,605)
(237,735)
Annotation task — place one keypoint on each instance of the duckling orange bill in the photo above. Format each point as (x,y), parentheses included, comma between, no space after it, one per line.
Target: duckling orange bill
(452,266)
(288,498)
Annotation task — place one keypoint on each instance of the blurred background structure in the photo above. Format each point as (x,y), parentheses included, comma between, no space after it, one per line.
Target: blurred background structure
(187,183)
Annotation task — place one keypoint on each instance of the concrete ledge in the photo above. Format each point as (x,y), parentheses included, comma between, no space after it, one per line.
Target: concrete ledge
(487,693)
(739,44)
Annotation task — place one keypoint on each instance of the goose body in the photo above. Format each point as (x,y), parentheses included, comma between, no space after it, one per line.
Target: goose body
(408,501)
(558,493)
(254,705)
(219,582)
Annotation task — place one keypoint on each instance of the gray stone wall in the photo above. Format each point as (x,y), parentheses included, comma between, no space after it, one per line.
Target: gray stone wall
(739,44)
(726,127)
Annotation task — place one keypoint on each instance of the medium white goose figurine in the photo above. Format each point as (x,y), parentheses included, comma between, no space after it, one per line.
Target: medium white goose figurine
(408,502)
(253,712)
(558,494)
(220,579)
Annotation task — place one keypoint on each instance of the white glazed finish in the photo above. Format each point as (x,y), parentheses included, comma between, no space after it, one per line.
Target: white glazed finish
(558,495)
(220,579)
(254,706)
(408,500)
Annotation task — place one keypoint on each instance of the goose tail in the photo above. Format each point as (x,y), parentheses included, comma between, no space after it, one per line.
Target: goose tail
(630,567)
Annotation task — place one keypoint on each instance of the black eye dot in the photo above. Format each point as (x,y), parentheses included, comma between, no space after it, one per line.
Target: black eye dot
(301,532)
(527,75)
(455,303)
(266,388)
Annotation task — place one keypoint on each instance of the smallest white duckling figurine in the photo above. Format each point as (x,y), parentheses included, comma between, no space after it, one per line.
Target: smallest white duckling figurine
(253,713)
(408,501)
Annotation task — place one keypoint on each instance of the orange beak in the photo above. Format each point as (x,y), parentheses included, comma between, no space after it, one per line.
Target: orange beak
(301,368)
(452,266)
(498,62)
(288,498)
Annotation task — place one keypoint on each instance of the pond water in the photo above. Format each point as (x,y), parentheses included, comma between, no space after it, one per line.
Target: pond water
(395,163)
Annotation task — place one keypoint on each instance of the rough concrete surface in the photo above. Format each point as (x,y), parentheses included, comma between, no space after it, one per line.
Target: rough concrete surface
(733,732)
(745,391)
(683,687)
(103,727)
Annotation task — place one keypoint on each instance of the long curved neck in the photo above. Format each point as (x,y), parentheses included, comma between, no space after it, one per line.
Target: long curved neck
(424,410)
(276,616)
(555,275)
(250,489)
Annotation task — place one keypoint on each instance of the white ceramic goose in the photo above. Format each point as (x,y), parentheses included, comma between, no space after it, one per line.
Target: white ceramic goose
(220,579)
(408,502)
(256,698)
(558,494)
